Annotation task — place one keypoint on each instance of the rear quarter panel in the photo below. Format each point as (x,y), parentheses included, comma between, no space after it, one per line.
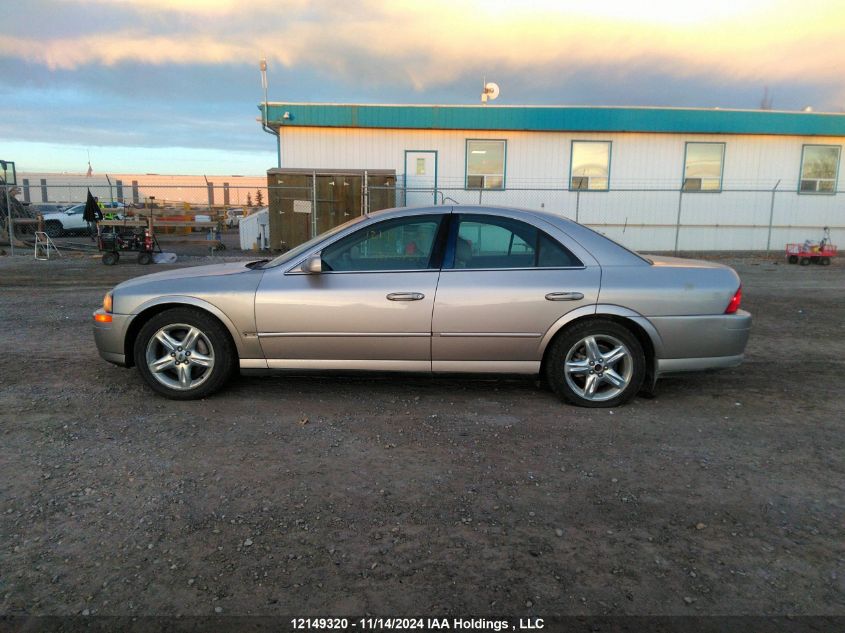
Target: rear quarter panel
(685,302)
(661,290)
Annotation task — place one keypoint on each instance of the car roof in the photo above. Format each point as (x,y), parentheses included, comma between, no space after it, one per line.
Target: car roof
(605,250)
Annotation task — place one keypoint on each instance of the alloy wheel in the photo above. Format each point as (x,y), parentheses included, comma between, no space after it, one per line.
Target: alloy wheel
(598,367)
(180,356)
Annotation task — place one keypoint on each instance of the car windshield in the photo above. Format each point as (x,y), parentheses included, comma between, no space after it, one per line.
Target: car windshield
(305,246)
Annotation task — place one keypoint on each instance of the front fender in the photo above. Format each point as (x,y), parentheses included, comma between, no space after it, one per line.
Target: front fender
(247,346)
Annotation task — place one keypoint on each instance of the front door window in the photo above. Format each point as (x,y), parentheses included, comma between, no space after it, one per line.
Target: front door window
(400,244)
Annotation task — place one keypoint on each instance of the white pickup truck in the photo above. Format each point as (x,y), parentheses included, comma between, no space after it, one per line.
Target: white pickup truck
(70,220)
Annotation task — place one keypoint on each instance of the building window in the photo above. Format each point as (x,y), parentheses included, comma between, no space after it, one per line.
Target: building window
(590,166)
(485,164)
(819,166)
(703,163)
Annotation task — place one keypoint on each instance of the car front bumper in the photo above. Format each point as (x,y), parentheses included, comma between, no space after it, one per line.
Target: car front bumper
(110,337)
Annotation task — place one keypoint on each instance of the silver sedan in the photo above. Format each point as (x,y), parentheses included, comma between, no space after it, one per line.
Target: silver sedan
(438,289)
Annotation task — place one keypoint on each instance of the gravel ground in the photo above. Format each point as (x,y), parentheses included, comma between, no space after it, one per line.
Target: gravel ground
(343,495)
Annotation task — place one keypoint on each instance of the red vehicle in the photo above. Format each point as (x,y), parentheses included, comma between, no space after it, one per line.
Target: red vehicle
(812,252)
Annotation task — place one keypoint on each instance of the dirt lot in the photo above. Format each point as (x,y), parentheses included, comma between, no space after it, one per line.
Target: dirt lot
(723,495)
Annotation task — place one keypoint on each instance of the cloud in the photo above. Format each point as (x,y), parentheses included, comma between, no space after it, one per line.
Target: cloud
(124,46)
(422,45)
(155,73)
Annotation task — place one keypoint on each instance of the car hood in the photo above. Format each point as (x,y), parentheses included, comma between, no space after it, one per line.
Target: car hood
(58,215)
(214,270)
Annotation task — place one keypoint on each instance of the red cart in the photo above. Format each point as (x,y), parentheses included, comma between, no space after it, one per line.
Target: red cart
(806,254)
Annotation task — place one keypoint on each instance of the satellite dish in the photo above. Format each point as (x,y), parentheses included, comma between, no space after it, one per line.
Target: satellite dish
(491,91)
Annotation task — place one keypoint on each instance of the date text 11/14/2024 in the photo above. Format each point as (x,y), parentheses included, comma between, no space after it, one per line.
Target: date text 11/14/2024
(415,624)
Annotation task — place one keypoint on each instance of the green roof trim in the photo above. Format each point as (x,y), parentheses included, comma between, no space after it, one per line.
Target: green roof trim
(556,119)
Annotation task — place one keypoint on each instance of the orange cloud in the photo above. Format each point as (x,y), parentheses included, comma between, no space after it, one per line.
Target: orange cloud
(434,42)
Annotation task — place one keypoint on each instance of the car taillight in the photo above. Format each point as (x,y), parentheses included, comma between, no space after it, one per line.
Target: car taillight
(733,306)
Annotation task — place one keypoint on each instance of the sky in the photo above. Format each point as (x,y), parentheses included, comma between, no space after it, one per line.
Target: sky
(172,86)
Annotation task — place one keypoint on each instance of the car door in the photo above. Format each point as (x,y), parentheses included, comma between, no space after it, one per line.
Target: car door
(504,283)
(369,308)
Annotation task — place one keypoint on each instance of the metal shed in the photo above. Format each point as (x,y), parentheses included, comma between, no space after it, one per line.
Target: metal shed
(307,202)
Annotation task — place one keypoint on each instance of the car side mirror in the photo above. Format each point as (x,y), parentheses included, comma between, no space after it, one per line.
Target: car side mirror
(313,265)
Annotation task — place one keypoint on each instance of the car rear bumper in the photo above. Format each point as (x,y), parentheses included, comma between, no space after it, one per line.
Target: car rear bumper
(676,365)
(693,343)
(110,337)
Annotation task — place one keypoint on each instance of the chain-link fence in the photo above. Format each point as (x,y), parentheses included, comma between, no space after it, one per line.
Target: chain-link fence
(670,219)
(643,219)
(205,196)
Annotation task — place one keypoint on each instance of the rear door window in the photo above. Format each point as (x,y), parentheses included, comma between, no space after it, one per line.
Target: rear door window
(484,241)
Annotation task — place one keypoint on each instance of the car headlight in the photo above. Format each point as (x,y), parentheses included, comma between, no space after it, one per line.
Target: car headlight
(107,302)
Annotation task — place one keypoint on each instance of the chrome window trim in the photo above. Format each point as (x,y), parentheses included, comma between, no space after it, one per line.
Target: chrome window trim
(363,272)
(466,270)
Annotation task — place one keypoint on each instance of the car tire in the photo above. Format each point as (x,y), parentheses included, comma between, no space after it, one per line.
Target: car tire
(184,354)
(145,258)
(111,258)
(805,261)
(53,229)
(596,363)
(793,259)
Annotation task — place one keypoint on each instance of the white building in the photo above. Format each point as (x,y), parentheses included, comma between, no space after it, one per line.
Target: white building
(652,178)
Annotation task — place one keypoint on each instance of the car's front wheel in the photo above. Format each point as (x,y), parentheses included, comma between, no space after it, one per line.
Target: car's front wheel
(597,363)
(53,228)
(184,354)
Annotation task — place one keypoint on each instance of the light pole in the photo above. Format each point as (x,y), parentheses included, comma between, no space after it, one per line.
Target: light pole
(262,65)
(5,165)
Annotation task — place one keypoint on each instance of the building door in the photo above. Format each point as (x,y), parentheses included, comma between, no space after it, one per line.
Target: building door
(420,177)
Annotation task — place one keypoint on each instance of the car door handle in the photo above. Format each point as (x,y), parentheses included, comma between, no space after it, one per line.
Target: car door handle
(564,296)
(405,296)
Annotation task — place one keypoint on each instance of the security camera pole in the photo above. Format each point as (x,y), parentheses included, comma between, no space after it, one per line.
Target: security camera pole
(5,165)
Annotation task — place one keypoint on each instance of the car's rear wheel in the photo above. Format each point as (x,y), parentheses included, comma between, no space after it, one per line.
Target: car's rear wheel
(53,228)
(110,258)
(793,259)
(184,354)
(597,363)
